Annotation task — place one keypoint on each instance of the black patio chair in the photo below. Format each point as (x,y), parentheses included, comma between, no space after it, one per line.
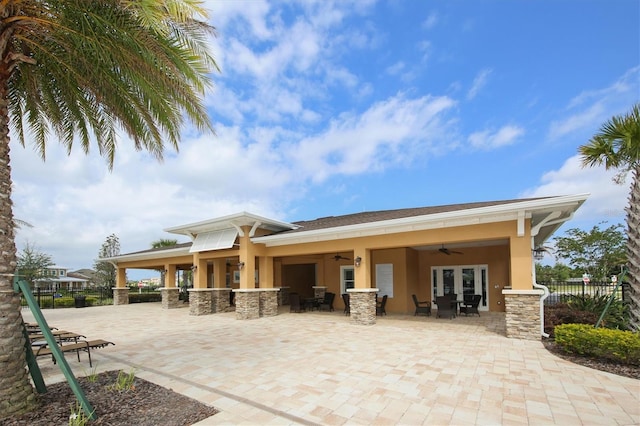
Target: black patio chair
(381,307)
(294,303)
(445,307)
(327,303)
(346,298)
(471,306)
(421,307)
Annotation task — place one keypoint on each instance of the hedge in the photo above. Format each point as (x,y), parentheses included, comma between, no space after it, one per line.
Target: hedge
(145,297)
(615,345)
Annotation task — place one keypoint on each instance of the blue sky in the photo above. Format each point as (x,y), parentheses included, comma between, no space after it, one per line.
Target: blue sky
(334,107)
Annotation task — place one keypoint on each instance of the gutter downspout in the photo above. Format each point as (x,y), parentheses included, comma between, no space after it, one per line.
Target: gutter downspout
(534,231)
(544,296)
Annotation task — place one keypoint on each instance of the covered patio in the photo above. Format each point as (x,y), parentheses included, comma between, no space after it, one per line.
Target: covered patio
(482,248)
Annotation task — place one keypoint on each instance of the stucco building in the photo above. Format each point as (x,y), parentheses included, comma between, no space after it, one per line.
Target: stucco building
(483,248)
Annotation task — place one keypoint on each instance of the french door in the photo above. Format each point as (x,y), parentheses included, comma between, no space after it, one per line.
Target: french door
(461,281)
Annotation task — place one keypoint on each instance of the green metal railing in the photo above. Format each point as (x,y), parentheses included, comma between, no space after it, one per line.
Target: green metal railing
(34,369)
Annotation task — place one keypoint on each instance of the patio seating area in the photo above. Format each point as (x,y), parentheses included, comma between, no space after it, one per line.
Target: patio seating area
(309,369)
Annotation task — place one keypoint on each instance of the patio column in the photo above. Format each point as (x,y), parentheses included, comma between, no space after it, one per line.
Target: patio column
(247,297)
(170,293)
(121,291)
(200,296)
(362,298)
(220,296)
(521,300)
(523,313)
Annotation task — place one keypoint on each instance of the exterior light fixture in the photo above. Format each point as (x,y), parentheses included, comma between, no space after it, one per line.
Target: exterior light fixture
(240,265)
(194,268)
(358,260)
(538,254)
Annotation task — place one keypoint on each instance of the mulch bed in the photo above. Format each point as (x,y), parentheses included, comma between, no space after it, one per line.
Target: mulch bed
(145,404)
(626,370)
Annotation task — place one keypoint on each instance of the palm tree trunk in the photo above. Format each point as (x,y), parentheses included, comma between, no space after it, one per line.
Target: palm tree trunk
(16,393)
(633,251)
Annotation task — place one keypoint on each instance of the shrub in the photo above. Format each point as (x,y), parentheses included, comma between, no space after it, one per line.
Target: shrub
(144,297)
(615,345)
(564,314)
(617,315)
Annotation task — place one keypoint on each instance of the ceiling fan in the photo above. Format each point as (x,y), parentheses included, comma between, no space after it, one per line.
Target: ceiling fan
(448,252)
(337,257)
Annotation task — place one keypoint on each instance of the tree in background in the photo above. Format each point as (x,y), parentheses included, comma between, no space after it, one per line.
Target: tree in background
(617,146)
(82,72)
(106,272)
(599,252)
(556,273)
(33,265)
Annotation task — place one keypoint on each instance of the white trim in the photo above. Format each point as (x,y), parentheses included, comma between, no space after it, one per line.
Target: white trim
(524,292)
(516,211)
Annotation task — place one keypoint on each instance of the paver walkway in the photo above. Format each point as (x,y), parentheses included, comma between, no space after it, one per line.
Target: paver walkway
(319,368)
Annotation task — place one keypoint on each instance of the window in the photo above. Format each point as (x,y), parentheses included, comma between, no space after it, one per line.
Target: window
(347,278)
(461,280)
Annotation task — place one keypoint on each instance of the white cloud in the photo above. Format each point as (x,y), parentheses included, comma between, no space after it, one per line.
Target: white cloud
(607,200)
(487,139)
(586,111)
(479,82)
(431,21)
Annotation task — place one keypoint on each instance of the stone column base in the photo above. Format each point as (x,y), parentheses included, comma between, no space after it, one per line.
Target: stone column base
(247,303)
(220,300)
(170,297)
(120,295)
(362,304)
(269,302)
(200,301)
(523,314)
(283,296)
(319,291)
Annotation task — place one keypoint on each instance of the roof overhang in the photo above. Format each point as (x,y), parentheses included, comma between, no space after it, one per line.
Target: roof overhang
(148,255)
(546,214)
(236,221)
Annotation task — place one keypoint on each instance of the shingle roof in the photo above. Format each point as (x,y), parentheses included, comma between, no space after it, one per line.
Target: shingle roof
(377,216)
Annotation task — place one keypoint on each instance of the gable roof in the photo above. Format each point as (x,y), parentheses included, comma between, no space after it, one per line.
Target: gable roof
(547,214)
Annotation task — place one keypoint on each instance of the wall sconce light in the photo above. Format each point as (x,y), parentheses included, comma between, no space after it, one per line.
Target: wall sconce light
(358,260)
(240,265)
(194,268)
(538,254)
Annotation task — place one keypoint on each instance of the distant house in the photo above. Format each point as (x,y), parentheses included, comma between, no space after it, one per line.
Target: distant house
(58,278)
(87,274)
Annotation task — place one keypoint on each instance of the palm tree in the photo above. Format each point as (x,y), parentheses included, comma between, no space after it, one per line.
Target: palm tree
(82,71)
(617,146)
(162,243)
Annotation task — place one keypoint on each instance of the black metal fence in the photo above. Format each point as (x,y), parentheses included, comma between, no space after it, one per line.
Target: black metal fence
(48,297)
(562,291)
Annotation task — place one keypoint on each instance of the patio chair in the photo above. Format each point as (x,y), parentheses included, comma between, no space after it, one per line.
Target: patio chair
(471,306)
(421,307)
(380,308)
(294,303)
(445,307)
(347,306)
(327,303)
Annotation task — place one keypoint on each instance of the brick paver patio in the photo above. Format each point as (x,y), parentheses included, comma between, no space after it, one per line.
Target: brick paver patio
(319,368)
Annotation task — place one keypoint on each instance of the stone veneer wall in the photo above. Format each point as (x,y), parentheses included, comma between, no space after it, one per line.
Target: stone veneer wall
(120,295)
(283,296)
(363,306)
(220,300)
(170,297)
(319,291)
(247,304)
(269,303)
(523,314)
(200,301)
